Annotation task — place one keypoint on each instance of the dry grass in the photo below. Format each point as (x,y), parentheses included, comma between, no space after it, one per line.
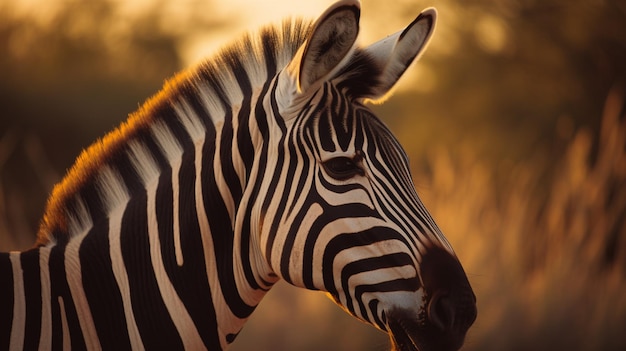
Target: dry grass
(548,264)
(547,258)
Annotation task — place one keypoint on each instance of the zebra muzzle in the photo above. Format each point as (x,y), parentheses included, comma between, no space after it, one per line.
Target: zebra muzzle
(449,310)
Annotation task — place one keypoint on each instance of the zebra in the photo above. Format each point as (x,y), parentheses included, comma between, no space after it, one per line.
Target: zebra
(261,163)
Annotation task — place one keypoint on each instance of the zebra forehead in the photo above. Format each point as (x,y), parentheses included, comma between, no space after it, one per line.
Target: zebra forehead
(351,126)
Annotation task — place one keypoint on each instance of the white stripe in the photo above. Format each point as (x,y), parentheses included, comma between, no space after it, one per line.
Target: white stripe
(174,153)
(184,324)
(214,108)
(222,314)
(175,213)
(237,161)
(194,127)
(19,304)
(257,73)
(121,277)
(220,180)
(371,277)
(143,162)
(390,198)
(227,83)
(196,131)
(79,219)
(74,278)
(330,230)
(115,197)
(149,172)
(67,342)
(112,190)
(45,337)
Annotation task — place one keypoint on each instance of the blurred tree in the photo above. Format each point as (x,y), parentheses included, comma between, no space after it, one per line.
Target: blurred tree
(74,73)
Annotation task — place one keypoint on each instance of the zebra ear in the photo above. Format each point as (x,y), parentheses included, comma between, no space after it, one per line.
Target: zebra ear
(330,41)
(395,53)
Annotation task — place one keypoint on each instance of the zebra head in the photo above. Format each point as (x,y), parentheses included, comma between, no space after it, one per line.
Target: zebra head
(347,219)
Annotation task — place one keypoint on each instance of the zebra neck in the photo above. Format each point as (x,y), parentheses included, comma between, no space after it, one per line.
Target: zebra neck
(168,247)
(152,237)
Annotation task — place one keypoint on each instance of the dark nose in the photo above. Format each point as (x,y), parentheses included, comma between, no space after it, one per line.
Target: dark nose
(451,306)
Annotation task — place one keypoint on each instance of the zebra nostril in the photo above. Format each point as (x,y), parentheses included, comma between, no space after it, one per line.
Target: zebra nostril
(441,311)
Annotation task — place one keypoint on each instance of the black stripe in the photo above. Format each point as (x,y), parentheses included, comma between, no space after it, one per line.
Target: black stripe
(32,292)
(60,288)
(153,320)
(216,213)
(400,284)
(221,230)
(173,121)
(299,149)
(226,158)
(345,241)
(91,198)
(189,280)
(331,213)
(246,151)
(394,216)
(6,300)
(324,122)
(243,81)
(275,182)
(55,310)
(254,195)
(193,285)
(367,265)
(339,188)
(290,241)
(341,117)
(208,153)
(373,306)
(359,138)
(101,289)
(260,116)
(269,40)
(381,191)
(244,139)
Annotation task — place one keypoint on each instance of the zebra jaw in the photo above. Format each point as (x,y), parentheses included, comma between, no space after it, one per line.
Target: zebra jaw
(409,332)
(446,311)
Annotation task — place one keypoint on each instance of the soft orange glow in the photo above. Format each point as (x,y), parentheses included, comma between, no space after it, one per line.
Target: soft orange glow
(500,117)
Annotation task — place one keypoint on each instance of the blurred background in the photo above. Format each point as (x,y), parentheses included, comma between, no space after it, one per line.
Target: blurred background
(514,120)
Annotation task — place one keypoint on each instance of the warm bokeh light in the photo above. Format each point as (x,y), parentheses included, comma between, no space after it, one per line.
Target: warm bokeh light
(514,120)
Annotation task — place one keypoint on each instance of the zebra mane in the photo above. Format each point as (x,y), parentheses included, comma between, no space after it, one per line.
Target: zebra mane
(261,55)
(257,56)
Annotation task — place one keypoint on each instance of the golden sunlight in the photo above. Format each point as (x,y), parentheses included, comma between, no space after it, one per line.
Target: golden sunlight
(514,121)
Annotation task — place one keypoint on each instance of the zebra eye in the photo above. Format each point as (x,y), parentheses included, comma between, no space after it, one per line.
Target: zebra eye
(342,168)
